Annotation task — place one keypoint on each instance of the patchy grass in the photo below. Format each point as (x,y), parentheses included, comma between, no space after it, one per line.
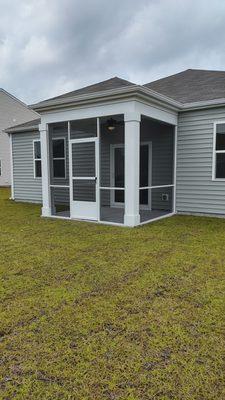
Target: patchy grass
(96,312)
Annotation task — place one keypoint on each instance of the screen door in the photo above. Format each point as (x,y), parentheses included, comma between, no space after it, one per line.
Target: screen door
(83,167)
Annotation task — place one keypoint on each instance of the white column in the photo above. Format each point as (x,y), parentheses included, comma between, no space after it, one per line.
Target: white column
(132,166)
(11,164)
(175,169)
(46,195)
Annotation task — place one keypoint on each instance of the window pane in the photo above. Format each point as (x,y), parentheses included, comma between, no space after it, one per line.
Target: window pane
(37,149)
(220,165)
(220,137)
(58,148)
(119,196)
(59,168)
(38,169)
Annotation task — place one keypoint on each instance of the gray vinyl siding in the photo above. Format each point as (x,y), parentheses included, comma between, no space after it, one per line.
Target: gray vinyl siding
(196,191)
(12,112)
(26,187)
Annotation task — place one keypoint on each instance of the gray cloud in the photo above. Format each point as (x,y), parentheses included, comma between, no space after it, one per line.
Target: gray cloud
(49,47)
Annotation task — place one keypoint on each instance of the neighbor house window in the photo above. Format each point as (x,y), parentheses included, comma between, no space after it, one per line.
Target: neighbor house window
(219,151)
(0,167)
(59,158)
(37,158)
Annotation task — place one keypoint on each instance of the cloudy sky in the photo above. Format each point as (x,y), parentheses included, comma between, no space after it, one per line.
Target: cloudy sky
(48,47)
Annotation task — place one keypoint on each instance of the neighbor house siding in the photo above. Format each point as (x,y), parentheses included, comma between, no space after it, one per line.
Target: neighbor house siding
(12,112)
(196,191)
(26,187)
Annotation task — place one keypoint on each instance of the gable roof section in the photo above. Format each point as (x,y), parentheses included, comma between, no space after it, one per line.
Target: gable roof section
(109,84)
(32,125)
(13,111)
(192,85)
(191,88)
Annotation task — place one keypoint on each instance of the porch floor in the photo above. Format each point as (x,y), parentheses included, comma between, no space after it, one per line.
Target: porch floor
(116,215)
(113,214)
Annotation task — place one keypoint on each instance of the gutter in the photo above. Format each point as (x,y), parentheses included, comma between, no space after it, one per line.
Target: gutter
(203,104)
(22,129)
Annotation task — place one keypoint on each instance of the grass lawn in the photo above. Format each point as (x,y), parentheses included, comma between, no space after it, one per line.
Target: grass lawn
(97,312)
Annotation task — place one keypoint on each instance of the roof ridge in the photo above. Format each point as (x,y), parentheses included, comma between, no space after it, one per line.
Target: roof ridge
(86,87)
(167,76)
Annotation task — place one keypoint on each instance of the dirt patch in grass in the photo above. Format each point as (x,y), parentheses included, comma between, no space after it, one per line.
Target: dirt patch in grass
(91,312)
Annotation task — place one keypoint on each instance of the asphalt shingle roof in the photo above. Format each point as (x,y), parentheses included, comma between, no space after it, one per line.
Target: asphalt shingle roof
(191,85)
(109,84)
(32,123)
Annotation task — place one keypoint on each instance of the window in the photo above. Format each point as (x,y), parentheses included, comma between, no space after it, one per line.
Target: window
(37,158)
(219,151)
(0,167)
(59,158)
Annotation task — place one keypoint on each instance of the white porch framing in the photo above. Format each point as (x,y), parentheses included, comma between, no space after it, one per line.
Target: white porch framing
(132,111)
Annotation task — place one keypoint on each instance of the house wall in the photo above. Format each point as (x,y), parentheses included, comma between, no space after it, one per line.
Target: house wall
(196,191)
(26,187)
(12,112)
(5,178)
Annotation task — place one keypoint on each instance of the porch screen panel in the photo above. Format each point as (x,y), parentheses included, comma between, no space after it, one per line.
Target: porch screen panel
(119,173)
(112,169)
(60,201)
(59,161)
(83,159)
(84,190)
(84,171)
(160,203)
(83,128)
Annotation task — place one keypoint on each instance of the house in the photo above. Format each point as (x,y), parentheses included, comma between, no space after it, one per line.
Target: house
(120,153)
(12,111)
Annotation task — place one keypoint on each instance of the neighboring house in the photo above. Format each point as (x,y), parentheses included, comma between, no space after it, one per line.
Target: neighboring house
(12,111)
(120,153)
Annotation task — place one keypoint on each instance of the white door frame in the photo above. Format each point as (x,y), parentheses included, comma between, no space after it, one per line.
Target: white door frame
(84,210)
(112,175)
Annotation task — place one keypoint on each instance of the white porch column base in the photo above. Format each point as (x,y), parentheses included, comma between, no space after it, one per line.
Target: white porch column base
(46,196)
(46,212)
(132,167)
(131,220)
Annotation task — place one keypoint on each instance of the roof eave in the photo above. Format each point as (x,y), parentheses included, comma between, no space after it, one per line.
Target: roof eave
(17,130)
(203,104)
(114,94)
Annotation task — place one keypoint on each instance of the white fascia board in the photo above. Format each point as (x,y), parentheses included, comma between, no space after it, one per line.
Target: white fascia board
(30,129)
(109,95)
(157,112)
(91,111)
(113,108)
(203,104)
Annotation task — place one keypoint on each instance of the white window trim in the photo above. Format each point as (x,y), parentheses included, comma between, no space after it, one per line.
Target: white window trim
(112,175)
(59,158)
(36,159)
(215,152)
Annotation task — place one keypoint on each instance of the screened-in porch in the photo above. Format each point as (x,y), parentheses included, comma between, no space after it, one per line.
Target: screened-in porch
(111,169)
